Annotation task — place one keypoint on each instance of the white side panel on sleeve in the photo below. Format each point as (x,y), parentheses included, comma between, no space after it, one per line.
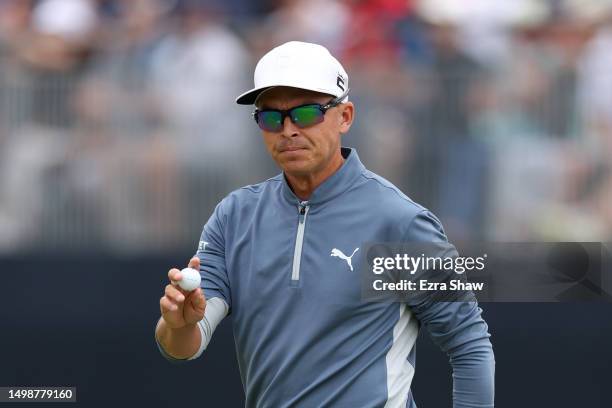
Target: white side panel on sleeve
(216,310)
(399,370)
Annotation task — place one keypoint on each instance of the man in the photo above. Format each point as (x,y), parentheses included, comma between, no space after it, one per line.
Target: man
(281,257)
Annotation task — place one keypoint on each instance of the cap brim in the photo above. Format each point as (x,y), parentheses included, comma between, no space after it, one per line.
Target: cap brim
(249,97)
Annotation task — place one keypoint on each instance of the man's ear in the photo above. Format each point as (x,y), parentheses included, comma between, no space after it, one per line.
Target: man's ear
(347,114)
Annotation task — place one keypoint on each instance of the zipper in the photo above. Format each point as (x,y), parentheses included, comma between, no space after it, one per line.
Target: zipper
(299,240)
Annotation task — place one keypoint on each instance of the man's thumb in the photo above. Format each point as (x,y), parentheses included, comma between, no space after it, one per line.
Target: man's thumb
(194,263)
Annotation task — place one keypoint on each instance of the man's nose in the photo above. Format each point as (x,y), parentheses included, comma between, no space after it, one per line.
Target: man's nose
(289,128)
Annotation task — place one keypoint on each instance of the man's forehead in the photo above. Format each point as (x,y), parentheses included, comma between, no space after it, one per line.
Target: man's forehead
(284,94)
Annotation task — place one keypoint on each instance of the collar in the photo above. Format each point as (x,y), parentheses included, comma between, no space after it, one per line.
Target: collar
(335,184)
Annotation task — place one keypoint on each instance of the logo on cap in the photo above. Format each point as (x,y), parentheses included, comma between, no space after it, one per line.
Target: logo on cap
(340,82)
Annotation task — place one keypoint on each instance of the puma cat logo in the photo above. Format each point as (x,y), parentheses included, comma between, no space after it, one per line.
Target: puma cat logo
(340,254)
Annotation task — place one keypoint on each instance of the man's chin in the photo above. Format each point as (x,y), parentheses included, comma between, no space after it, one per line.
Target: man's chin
(294,159)
(296,167)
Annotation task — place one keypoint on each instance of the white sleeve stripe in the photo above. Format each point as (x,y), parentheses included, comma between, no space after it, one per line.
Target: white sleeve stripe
(202,346)
(216,310)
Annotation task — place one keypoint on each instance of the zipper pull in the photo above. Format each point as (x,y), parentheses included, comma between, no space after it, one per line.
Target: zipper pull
(302,207)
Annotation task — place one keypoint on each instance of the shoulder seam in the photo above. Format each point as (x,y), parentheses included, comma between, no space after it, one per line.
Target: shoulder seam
(251,187)
(395,190)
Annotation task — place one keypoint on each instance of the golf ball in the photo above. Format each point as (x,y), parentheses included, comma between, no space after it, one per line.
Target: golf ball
(191,279)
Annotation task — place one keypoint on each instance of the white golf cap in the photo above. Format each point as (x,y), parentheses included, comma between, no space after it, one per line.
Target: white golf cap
(299,65)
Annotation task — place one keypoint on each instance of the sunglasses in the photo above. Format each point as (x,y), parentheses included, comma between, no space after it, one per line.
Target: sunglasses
(303,116)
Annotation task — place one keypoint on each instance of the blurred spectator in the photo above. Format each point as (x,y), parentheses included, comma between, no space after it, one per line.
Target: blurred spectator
(451,164)
(120,110)
(595,92)
(50,54)
(546,157)
(372,31)
(14,32)
(198,70)
(302,20)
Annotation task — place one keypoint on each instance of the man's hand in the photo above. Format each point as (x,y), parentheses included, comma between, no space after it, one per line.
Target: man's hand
(178,307)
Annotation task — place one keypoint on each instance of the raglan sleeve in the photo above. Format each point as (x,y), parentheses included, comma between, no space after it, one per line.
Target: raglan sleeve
(215,282)
(457,328)
(212,251)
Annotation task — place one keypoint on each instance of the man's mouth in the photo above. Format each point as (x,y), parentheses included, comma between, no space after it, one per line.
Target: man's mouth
(291,148)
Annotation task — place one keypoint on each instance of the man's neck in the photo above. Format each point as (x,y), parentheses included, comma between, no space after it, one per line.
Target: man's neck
(304,185)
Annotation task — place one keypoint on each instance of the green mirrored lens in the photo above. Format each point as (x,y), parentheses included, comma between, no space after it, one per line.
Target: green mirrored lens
(306,115)
(302,116)
(270,120)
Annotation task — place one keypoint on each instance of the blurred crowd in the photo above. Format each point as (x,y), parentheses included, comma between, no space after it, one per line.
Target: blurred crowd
(119,131)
